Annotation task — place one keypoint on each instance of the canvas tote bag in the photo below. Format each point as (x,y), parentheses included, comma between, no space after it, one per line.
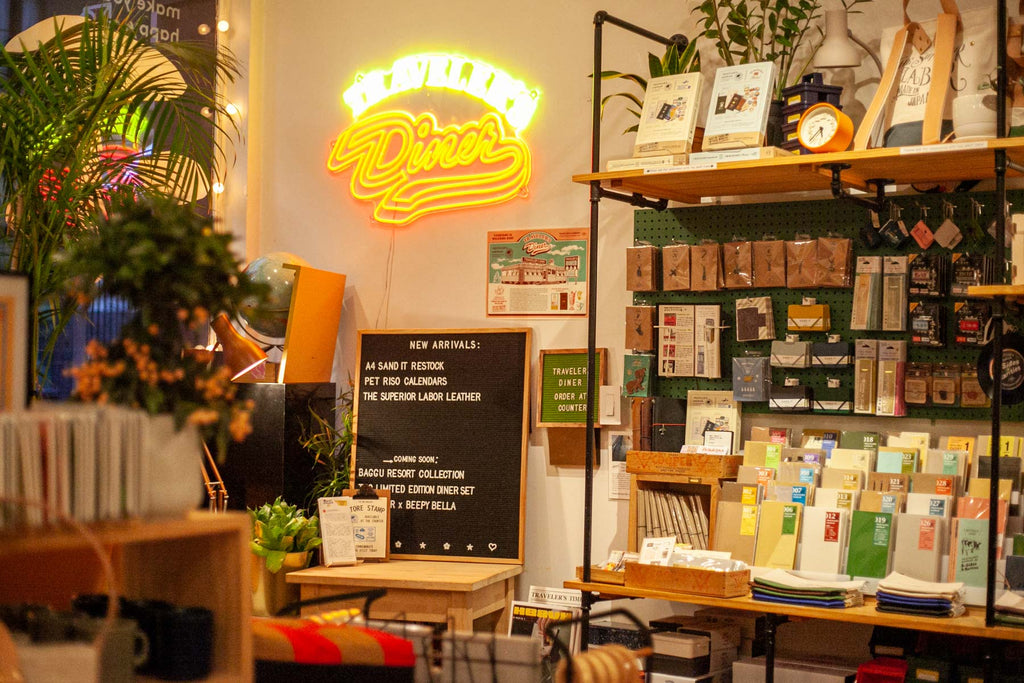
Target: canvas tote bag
(927,64)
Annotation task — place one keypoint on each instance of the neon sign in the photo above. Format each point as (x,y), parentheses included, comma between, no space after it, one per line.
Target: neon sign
(409,165)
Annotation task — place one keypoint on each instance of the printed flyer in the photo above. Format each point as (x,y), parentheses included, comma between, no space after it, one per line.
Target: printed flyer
(537,272)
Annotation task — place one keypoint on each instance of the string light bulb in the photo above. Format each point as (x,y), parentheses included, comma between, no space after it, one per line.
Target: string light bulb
(218,187)
(203,29)
(223,26)
(231,109)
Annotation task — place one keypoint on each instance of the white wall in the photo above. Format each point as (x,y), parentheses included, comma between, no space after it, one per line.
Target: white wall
(304,53)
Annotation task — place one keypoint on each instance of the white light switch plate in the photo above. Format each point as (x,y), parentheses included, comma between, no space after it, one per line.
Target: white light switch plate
(611,405)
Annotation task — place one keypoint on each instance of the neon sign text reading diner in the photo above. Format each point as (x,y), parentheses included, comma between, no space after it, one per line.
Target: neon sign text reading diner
(409,166)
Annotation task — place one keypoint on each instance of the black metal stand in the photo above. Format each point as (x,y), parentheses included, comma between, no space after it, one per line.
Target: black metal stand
(997,316)
(878,204)
(596,194)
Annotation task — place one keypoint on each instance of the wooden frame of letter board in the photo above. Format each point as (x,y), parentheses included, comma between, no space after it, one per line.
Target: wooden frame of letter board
(441,424)
(602,367)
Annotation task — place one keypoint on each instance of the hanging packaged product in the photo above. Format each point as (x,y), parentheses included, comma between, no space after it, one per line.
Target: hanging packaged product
(675,267)
(835,261)
(927,323)
(865,375)
(866,313)
(737,265)
(769,257)
(801,263)
(929,274)
(894,293)
(755,320)
(751,378)
(643,268)
(971,321)
(945,384)
(808,317)
(917,388)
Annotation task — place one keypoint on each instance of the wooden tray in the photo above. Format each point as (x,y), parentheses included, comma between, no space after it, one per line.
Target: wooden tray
(697,465)
(688,580)
(598,575)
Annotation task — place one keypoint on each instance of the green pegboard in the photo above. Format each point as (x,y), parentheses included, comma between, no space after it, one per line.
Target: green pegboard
(818,218)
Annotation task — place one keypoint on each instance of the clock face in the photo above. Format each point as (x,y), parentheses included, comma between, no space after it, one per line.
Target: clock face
(824,128)
(818,128)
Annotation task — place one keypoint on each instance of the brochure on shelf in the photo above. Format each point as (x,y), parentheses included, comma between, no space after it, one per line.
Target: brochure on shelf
(669,115)
(738,110)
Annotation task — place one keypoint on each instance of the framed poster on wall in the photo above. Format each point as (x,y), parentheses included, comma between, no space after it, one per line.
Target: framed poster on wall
(537,272)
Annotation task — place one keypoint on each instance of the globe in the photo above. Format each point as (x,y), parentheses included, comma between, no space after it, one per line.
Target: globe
(270,270)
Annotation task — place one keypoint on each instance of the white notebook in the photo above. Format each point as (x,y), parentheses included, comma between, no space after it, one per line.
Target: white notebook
(823,540)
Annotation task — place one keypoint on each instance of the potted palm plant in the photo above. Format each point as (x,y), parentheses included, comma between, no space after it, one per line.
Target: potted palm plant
(87,108)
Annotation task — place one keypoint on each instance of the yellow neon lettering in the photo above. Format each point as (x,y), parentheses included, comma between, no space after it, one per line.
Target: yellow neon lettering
(508,96)
(412,168)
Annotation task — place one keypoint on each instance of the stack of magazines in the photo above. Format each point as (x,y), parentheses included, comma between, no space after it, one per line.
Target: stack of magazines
(788,588)
(906,595)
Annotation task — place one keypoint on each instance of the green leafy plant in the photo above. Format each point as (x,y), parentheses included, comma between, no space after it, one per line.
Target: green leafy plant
(747,31)
(167,262)
(278,529)
(88,108)
(671,63)
(331,448)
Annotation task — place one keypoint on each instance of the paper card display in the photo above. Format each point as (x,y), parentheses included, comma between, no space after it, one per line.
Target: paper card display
(710,410)
(676,339)
(669,115)
(336,529)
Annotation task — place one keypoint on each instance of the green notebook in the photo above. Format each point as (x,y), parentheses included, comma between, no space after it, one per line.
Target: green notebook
(871,540)
(862,441)
(968,551)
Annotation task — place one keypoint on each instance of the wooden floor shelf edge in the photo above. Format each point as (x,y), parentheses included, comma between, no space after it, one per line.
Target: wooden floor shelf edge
(970,624)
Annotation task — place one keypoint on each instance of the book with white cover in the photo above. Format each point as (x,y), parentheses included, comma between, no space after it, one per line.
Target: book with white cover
(738,110)
(852,459)
(942,461)
(823,540)
(669,115)
(843,499)
(933,504)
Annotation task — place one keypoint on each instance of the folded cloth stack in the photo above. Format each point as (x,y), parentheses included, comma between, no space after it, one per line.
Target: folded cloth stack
(781,586)
(906,595)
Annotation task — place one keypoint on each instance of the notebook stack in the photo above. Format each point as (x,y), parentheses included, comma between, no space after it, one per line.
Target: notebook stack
(780,586)
(905,595)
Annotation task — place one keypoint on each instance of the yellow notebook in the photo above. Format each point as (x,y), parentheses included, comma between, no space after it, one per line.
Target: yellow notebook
(778,530)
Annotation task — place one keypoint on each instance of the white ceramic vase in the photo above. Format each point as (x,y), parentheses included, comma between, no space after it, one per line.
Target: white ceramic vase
(172,479)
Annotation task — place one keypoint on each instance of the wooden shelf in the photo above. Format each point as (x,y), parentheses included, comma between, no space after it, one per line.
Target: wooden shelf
(202,560)
(807,172)
(1008,292)
(970,624)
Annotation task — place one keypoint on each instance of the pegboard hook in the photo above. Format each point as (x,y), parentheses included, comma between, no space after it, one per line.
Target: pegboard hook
(878,204)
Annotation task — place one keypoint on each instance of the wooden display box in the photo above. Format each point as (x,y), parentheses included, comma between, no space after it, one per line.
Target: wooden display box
(688,580)
(678,473)
(598,575)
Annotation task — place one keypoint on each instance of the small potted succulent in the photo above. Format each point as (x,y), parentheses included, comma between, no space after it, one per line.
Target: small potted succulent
(283,538)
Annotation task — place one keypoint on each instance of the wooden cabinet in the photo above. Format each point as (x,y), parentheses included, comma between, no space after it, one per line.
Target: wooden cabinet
(201,560)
